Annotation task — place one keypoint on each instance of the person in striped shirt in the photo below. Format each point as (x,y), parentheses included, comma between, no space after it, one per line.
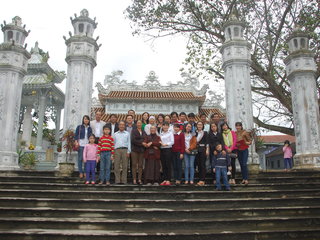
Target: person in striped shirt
(105,154)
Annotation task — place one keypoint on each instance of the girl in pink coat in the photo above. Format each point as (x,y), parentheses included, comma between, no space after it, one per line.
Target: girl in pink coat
(287,155)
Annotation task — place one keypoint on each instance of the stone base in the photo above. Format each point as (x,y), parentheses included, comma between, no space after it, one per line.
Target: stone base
(72,159)
(9,161)
(307,161)
(253,168)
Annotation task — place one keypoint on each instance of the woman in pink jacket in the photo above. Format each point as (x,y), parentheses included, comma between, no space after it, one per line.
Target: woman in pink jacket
(287,155)
(230,141)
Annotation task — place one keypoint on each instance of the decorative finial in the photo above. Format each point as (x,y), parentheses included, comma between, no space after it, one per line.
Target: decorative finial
(84,13)
(35,49)
(17,21)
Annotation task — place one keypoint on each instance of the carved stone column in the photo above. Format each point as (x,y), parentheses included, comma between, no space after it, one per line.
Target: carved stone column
(236,65)
(81,58)
(301,69)
(41,113)
(13,68)
(27,126)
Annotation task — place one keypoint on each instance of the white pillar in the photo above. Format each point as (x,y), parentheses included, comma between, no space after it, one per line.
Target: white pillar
(57,122)
(301,69)
(41,113)
(81,58)
(13,68)
(27,126)
(236,59)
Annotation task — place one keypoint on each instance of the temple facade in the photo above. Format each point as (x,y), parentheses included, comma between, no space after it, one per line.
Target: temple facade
(118,96)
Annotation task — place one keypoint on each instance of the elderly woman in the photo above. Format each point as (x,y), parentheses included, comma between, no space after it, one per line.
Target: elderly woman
(152,157)
(152,122)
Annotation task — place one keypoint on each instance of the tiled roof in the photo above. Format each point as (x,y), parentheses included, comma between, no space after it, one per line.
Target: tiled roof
(151,95)
(36,79)
(106,117)
(277,138)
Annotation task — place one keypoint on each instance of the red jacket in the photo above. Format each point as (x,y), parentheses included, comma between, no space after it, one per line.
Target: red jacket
(179,143)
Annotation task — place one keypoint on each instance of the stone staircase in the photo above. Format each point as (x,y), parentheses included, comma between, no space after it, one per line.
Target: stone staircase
(275,205)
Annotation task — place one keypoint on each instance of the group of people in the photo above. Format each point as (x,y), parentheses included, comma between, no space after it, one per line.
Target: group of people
(158,146)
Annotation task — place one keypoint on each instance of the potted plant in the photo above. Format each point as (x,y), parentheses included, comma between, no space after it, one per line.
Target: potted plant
(66,168)
(59,147)
(28,161)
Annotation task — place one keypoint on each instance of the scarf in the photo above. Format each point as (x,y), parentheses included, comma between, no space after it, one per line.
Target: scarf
(227,137)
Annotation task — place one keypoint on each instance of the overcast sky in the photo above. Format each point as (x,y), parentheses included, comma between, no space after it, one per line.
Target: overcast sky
(50,20)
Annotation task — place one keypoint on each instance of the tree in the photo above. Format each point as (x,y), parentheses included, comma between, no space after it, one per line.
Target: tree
(269,24)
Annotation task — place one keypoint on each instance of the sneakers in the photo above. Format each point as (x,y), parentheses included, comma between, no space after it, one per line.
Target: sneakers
(93,182)
(87,182)
(165,183)
(156,184)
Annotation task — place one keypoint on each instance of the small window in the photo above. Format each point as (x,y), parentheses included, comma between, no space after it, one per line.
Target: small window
(10,35)
(295,43)
(278,163)
(17,37)
(303,43)
(81,27)
(272,164)
(236,32)
(229,32)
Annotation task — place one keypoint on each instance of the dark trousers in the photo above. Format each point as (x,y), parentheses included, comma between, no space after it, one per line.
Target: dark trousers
(288,163)
(201,161)
(177,166)
(91,170)
(98,164)
(166,162)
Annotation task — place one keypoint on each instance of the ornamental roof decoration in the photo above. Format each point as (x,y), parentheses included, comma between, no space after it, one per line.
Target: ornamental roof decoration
(113,82)
(38,68)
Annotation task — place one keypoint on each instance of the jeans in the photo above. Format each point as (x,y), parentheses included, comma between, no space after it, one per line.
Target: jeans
(177,166)
(80,161)
(105,166)
(189,167)
(288,163)
(243,159)
(91,170)
(222,171)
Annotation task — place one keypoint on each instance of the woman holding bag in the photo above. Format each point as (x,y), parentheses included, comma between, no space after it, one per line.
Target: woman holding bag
(243,143)
(81,138)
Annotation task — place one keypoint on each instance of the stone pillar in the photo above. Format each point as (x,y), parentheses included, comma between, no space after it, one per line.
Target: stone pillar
(57,122)
(236,65)
(81,58)
(13,68)
(301,69)
(41,113)
(27,126)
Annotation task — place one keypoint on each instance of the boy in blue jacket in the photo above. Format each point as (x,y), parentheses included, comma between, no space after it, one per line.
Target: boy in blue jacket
(221,163)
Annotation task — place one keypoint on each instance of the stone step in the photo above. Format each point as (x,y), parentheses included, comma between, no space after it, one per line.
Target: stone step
(150,213)
(131,187)
(161,225)
(79,234)
(156,195)
(262,180)
(159,203)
